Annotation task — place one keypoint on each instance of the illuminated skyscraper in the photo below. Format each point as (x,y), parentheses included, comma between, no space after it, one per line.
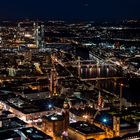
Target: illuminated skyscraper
(39,35)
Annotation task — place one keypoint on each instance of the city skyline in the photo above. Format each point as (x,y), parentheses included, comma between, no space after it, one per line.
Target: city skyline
(69,70)
(70,10)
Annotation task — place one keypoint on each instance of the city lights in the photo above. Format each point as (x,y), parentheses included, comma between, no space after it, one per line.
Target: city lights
(62,80)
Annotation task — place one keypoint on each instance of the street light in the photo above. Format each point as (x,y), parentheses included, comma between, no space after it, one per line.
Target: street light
(50,106)
(85,117)
(104,120)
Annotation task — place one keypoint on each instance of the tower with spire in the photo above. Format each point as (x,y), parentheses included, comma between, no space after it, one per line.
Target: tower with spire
(66,108)
(100,102)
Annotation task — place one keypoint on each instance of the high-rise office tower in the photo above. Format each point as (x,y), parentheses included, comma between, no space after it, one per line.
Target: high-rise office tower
(39,35)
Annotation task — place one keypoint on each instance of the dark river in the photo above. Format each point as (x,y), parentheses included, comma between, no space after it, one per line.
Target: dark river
(131,89)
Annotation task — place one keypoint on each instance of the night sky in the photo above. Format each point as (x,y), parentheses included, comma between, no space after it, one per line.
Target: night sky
(70,9)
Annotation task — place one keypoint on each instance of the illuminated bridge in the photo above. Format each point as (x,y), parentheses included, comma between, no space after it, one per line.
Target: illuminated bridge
(91,69)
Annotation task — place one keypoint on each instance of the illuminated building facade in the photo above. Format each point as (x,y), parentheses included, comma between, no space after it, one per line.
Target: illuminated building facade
(54,125)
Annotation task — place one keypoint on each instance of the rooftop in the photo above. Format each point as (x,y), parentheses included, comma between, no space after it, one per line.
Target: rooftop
(107,119)
(25,106)
(22,105)
(82,111)
(54,117)
(9,134)
(34,134)
(11,123)
(85,128)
